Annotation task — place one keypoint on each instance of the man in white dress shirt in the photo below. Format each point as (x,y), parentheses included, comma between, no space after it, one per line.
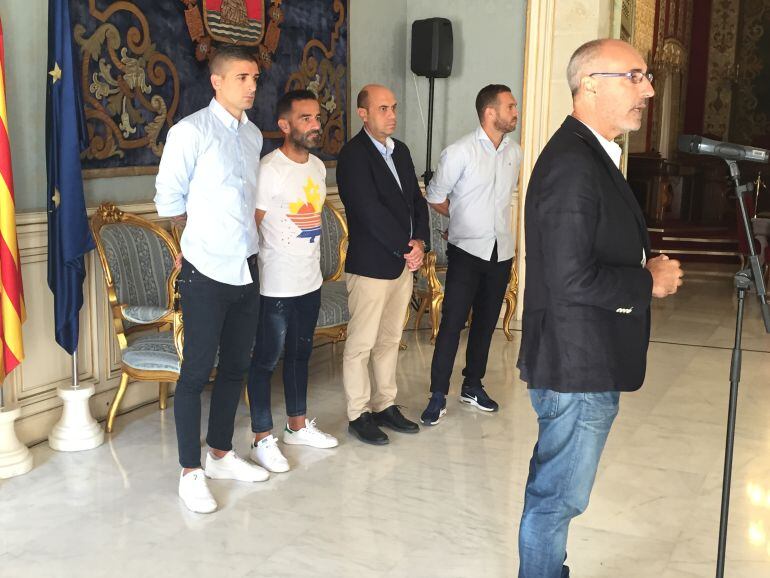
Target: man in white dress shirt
(474,186)
(208,175)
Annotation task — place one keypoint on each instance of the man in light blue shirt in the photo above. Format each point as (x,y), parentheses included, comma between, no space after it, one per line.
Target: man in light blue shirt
(208,176)
(474,186)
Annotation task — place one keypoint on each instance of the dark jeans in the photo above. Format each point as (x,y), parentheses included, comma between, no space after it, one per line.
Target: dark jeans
(288,321)
(470,282)
(216,316)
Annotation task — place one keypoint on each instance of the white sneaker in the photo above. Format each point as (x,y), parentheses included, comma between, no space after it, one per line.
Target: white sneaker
(232,467)
(267,454)
(195,492)
(309,435)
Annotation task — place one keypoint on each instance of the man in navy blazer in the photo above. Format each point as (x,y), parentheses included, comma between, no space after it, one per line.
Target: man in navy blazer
(387,221)
(590,280)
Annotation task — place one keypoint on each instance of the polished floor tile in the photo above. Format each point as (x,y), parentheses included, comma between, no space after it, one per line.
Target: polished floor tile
(445,502)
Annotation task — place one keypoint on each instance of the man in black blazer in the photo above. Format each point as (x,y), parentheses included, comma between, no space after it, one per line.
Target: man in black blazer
(387,221)
(589,283)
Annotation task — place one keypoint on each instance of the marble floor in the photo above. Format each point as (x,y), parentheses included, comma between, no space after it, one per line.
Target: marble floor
(443,503)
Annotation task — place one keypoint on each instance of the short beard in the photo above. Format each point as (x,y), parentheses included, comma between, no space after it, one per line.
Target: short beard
(505,128)
(306,141)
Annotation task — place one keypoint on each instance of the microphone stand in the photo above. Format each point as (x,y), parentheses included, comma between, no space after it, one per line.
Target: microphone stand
(745,280)
(428,174)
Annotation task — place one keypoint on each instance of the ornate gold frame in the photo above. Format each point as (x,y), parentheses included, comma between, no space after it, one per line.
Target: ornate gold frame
(336,332)
(109,214)
(433,298)
(511,297)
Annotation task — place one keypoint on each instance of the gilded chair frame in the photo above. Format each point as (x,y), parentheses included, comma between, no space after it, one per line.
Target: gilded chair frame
(109,214)
(336,332)
(510,298)
(430,300)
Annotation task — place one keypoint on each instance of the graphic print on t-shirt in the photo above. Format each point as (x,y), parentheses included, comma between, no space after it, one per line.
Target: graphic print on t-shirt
(307,215)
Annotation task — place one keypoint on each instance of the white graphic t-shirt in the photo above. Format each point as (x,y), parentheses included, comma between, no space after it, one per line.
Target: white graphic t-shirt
(292,195)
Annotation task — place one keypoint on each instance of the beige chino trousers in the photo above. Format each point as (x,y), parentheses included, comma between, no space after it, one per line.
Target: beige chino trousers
(377,310)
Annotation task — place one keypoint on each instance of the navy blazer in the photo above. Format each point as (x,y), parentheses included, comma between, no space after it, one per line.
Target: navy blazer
(586,323)
(379,213)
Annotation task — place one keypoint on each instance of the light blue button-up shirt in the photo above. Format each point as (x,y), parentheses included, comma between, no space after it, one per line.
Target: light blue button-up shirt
(209,170)
(479,180)
(386,150)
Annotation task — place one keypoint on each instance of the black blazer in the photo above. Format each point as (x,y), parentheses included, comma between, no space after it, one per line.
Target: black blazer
(586,323)
(379,213)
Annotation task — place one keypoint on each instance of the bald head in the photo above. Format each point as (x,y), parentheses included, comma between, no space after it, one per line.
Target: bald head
(595,56)
(377,109)
(610,87)
(371,91)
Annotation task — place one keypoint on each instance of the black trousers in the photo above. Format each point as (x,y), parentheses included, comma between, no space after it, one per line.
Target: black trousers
(217,316)
(475,283)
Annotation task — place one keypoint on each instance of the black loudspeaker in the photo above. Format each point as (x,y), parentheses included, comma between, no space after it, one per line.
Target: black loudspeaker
(432,47)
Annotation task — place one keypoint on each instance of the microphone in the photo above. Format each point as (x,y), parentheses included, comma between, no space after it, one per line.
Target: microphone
(697,145)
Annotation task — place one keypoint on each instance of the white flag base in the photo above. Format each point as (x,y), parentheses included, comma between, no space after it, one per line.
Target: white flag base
(15,457)
(77,430)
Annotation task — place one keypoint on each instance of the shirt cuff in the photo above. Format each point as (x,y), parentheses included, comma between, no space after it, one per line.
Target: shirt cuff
(435,197)
(171,209)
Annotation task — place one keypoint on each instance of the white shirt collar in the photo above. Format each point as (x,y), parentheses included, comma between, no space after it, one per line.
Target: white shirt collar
(481,134)
(385,149)
(225,117)
(612,148)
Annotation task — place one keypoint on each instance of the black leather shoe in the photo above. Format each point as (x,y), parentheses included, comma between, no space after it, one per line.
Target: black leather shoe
(364,428)
(395,420)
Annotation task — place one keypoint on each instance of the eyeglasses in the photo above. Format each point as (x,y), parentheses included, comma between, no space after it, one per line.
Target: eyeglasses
(635,76)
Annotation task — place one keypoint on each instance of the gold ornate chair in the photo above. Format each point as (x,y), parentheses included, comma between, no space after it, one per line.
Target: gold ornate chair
(138,261)
(429,285)
(511,296)
(334,315)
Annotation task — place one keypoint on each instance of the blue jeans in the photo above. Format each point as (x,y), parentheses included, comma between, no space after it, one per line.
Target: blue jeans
(573,428)
(289,322)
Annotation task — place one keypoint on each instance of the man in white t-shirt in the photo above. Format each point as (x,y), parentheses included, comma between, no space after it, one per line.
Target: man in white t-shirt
(290,196)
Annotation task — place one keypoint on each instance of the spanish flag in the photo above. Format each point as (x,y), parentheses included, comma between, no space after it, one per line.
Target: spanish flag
(12,313)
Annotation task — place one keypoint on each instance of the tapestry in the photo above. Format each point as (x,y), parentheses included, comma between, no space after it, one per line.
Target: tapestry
(143,67)
(750,124)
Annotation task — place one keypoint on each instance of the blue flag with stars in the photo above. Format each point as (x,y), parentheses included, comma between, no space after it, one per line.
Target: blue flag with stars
(69,237)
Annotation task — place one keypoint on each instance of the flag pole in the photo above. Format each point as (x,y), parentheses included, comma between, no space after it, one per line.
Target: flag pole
(77,430)
(69,238)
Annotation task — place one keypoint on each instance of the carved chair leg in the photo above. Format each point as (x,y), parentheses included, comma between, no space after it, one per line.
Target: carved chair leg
(510,306)
(163,395)
(116,402)
(420,312)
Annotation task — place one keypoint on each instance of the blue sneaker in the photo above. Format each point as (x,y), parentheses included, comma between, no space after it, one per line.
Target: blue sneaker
(435,411)
(477,397)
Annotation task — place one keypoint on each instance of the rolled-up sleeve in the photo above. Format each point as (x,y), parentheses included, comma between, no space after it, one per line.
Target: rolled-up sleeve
(450,168)
(176,170)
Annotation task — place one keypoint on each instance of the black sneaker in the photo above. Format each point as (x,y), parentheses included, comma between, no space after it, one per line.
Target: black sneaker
(435,411)
(477,397)
(364,428)
(395,420)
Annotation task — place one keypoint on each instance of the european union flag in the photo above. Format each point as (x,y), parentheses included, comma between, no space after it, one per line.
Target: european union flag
(69,237)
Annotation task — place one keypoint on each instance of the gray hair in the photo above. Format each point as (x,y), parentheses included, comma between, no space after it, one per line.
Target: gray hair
(579,60)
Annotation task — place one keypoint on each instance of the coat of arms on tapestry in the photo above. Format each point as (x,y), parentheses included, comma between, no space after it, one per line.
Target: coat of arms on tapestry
(144,67)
